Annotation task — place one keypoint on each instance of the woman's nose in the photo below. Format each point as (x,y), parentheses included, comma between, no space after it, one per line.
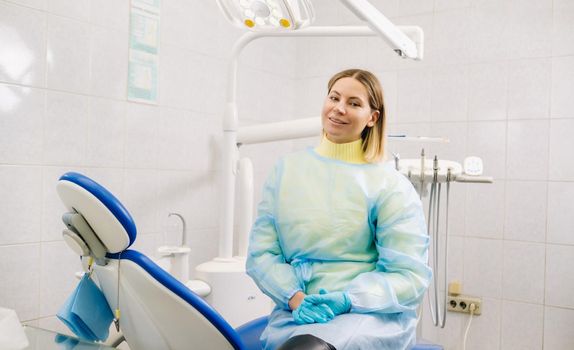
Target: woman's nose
(340,107)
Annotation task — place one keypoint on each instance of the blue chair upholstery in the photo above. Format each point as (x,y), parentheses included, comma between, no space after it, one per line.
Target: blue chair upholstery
(115,207)
(251,332)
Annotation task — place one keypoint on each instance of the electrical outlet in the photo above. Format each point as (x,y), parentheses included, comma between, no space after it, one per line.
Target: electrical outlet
(461,303)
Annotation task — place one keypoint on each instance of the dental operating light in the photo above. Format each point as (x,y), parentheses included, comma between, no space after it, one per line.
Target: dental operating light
(286,15)
(261,15)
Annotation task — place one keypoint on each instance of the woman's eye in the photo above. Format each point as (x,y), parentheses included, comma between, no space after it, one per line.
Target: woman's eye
(355,104)
(334,98)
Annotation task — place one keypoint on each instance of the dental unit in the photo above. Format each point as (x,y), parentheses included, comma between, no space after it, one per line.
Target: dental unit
(422,174)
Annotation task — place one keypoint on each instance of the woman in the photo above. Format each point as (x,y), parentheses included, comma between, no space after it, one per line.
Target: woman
(340,242)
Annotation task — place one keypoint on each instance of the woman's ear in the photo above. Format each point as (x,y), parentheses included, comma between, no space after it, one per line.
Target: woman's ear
(373,120)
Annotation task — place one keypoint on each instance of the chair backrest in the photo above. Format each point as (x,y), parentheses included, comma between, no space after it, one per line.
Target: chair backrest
(157,311)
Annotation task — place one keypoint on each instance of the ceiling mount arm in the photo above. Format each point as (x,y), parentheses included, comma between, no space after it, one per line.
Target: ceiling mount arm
(401,43)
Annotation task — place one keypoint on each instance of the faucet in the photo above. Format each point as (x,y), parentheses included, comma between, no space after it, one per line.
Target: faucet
(183,235)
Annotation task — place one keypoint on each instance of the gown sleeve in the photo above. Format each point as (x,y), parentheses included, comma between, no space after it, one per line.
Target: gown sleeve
(266,263)
(401,275)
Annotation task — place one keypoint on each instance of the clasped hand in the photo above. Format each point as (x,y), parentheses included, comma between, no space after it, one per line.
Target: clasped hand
(322,307)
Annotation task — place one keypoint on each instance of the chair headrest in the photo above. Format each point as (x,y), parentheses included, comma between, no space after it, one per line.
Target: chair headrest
(107,217)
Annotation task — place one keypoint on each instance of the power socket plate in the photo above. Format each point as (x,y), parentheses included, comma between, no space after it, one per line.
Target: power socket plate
(461,303)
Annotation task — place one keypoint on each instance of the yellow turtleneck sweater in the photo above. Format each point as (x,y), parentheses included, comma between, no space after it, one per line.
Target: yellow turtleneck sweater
(351,152)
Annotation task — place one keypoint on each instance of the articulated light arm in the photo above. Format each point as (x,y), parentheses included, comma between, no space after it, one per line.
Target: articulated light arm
(292,15)
(399,41)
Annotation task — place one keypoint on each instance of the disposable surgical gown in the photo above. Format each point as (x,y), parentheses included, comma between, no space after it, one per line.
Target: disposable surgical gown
(360,228)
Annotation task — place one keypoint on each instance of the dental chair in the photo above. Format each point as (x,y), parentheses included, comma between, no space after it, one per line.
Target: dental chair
(156,310)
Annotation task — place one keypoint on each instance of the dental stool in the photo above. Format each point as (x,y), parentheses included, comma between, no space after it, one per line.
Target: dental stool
(157,311)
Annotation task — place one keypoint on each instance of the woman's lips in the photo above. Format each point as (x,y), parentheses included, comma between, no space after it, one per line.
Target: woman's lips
(337,121)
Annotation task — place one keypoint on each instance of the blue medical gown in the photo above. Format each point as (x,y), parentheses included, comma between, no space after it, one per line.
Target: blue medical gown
(360,228)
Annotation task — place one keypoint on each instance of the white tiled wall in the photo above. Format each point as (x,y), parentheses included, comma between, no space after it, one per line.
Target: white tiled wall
(522,326)
(497,80)
(63,107)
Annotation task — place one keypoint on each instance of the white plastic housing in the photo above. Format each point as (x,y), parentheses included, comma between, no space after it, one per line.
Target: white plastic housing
(412,169)
(152,316)
(110,231)
(199,287)
(472,166)
(400,42)
(284,130)
(75,242)
(179,261)
(265,15)
(245,204)
(233,293)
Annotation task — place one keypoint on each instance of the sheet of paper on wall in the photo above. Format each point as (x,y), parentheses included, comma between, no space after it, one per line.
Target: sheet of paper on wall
(143,51)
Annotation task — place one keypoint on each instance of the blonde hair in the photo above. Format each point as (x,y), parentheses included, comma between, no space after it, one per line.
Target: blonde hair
(374,138)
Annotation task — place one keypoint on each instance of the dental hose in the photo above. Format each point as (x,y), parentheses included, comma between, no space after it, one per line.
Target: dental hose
(429,224)
(436,216)
(431,231)
(436,257)
(439,318)
(448,180)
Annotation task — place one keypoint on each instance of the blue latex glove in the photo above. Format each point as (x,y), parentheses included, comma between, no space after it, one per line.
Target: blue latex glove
(311,313)
(338,302)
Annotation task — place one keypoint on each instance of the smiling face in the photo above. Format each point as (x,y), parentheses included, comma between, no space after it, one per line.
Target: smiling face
(346,111)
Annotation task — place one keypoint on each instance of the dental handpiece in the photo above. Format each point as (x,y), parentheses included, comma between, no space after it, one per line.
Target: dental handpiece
(422,174)
(397,158)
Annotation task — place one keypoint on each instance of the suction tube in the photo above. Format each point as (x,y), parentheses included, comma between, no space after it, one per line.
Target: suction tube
(438,309)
